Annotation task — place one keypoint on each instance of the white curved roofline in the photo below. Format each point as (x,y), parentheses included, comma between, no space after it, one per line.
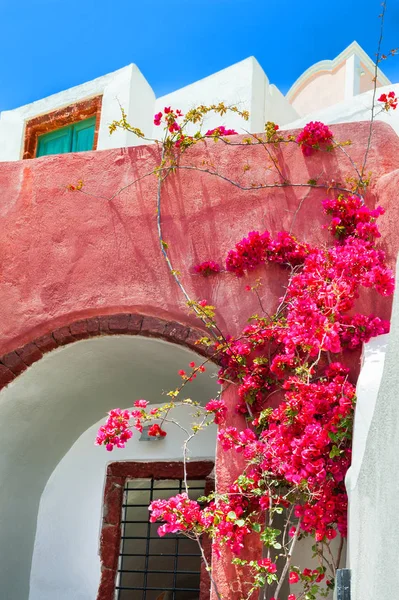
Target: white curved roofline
(330,65)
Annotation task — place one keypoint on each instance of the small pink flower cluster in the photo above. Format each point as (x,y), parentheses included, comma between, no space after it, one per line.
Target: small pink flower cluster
(206,268)
(257,248)
(227,523)
(219,408)
(312,135)
(358,329)
(352,217)
(390,100)
(117,429)
(156,431)
(221,519)
(267,565)
(316,575)
(179,513)
(169,117)
(219,131)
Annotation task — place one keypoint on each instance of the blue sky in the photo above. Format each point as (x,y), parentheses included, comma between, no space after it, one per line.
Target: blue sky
(50,45)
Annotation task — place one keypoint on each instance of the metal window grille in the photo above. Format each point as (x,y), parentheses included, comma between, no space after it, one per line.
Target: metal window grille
(152,567)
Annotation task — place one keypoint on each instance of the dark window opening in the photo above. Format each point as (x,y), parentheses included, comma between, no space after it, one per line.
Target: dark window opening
(153,567)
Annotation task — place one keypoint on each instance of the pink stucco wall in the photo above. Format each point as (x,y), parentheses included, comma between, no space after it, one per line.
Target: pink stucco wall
(324,89)
(68,256)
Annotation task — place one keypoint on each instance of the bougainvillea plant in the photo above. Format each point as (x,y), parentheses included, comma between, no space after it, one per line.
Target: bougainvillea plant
(297,450)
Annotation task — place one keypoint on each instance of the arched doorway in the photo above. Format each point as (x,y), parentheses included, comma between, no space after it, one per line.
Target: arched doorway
(49,415)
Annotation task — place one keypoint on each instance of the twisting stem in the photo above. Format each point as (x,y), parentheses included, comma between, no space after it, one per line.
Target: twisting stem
(161,179)
(339,554)
(377,60)
(208,568)
(289,558)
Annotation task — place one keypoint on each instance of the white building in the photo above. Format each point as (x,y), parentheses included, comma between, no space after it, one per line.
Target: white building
(333,90)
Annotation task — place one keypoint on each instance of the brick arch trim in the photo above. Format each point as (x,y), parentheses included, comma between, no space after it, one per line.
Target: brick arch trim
(14,363)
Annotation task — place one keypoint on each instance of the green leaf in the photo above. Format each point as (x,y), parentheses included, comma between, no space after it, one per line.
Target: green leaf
(260,580)
(335,451)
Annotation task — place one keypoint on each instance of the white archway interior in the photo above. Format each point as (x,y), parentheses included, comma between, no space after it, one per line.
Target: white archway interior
(49,416)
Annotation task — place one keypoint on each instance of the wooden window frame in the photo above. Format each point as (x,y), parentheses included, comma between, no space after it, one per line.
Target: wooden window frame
(110,539)
(61,118)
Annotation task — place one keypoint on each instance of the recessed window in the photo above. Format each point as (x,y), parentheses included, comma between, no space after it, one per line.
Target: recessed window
(152,567)
(77,137)
(73,128)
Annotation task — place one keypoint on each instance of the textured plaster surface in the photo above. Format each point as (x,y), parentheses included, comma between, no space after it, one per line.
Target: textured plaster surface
(373,481)
(68,257)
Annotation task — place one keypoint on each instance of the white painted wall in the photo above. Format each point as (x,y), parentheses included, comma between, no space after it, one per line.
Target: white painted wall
(355,109)
(373,479)
(65,563)
(49,406)
(126,87)
(132,91)
(244,85)
(352,76)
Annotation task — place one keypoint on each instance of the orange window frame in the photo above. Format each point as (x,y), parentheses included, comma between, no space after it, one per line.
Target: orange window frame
(61,118)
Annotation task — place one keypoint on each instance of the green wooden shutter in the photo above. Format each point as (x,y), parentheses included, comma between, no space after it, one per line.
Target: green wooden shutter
(74,138)
(55,142)
(83,135)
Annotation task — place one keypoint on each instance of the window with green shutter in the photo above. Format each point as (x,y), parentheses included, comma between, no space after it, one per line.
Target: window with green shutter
(77,137)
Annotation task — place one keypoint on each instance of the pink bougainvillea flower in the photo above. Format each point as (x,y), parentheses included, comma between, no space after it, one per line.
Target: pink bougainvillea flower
(206,268)
(312,135)
(141,403)
(218,131)
(219,408)
(158,118)
(293,577)
(156,431)
(390,100)
(300,440)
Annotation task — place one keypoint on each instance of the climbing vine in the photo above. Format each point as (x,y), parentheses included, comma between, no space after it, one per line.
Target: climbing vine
(298,451)
(288,367)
